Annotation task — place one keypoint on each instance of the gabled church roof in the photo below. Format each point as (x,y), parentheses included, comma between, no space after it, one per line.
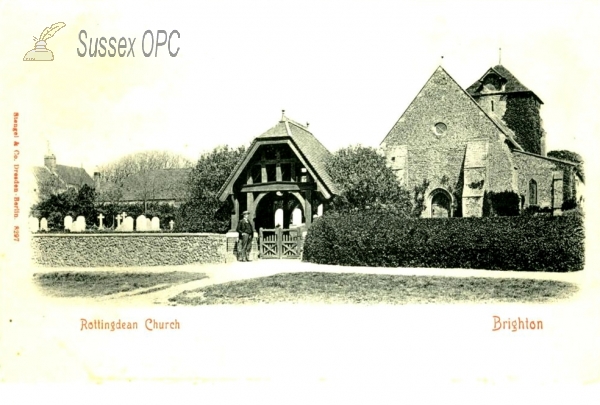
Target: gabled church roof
(508,133)
(512,84)
(311,150)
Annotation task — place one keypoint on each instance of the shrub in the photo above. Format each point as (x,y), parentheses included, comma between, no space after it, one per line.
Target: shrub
(569,204)
(502,204)
(366,182)
(203,211)
(499,243)
(534,210)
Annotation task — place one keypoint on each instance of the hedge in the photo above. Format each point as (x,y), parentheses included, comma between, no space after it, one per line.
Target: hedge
(529,243)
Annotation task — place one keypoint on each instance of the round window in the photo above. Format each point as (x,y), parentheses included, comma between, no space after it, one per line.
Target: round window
(440,128)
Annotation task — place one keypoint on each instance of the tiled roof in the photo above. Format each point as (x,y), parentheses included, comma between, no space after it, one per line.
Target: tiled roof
(66,175)
(76,176)
(513,85)
(42,174)
(159,184)
(313,151)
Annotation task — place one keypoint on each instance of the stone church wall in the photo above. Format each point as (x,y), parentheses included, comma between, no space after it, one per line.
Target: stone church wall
(547,174)
(438,156)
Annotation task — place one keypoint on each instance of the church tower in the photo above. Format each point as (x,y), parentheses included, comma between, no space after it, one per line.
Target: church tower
(499,93)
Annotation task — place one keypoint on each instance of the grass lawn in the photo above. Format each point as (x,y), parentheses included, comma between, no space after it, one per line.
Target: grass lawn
(99,283)
(375,289)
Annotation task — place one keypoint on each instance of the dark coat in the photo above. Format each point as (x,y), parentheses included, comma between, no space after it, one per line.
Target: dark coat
(244,226)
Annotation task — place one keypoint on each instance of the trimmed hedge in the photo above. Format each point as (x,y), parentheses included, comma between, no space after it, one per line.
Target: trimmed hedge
(501,243)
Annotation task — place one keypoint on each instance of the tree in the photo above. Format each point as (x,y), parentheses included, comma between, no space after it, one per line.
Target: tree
(140,162)
(142,167)
(71,202)
(48,184)
(366,182)
(203,211)
(571,157)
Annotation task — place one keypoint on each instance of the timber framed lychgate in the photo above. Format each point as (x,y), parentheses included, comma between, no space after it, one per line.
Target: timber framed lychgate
(282,182)
(279,243)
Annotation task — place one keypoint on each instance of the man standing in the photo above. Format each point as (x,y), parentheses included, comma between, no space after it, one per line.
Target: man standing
(246,232)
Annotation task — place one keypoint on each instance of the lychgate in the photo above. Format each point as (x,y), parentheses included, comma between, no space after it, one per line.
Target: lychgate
(283,182)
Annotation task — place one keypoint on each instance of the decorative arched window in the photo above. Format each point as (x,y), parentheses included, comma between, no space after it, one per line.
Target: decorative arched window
(533,197)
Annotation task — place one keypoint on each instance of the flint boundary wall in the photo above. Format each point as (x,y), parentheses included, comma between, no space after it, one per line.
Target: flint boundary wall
(129,249)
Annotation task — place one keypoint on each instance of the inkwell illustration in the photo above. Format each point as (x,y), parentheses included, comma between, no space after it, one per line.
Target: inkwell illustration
(40,52)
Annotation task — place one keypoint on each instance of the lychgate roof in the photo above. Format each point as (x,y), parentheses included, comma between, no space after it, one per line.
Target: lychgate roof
(311,150)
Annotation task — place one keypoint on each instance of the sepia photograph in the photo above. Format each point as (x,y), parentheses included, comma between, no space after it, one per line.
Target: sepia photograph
(320,194)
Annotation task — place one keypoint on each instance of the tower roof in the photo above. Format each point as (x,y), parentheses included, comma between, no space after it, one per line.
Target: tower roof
(511,83)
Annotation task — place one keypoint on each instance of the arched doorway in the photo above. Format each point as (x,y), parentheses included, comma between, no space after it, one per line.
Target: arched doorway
(441,204)
(277,208)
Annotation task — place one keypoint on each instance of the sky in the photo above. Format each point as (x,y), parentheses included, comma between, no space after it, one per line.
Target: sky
(349,68)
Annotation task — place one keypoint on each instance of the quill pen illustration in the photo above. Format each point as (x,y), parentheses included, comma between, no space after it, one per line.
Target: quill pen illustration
(51,30)
(40,52)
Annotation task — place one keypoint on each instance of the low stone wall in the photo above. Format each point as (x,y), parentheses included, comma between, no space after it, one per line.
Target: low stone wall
(130,249)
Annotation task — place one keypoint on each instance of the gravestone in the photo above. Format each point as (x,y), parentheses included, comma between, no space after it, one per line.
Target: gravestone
(320,210)
(127,225)
(148,224)
(155,224)
(279,217)
(34,224)
(100,218)
(44,225)
(297,217)
(171,223)
(119,218)
(79,224)
(140,223)
(68,222)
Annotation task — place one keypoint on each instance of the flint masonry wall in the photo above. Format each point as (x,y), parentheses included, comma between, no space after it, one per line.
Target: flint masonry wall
(125,250)
(439,157)
(550,176)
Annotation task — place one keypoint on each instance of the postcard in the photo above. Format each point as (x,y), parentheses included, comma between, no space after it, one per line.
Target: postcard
(317,192)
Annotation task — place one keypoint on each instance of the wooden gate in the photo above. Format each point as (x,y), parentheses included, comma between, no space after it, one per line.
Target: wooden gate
(280,243)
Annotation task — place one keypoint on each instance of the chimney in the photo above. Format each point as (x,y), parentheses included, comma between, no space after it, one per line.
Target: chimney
(50,162)
(97,177)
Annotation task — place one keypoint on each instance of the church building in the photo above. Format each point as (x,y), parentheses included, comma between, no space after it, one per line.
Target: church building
(457,146)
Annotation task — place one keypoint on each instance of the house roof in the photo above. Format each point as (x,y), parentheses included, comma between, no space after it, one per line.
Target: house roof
(512,84)
(74,175)
(67,175)
(312,151)
(42,174)
(158,184)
